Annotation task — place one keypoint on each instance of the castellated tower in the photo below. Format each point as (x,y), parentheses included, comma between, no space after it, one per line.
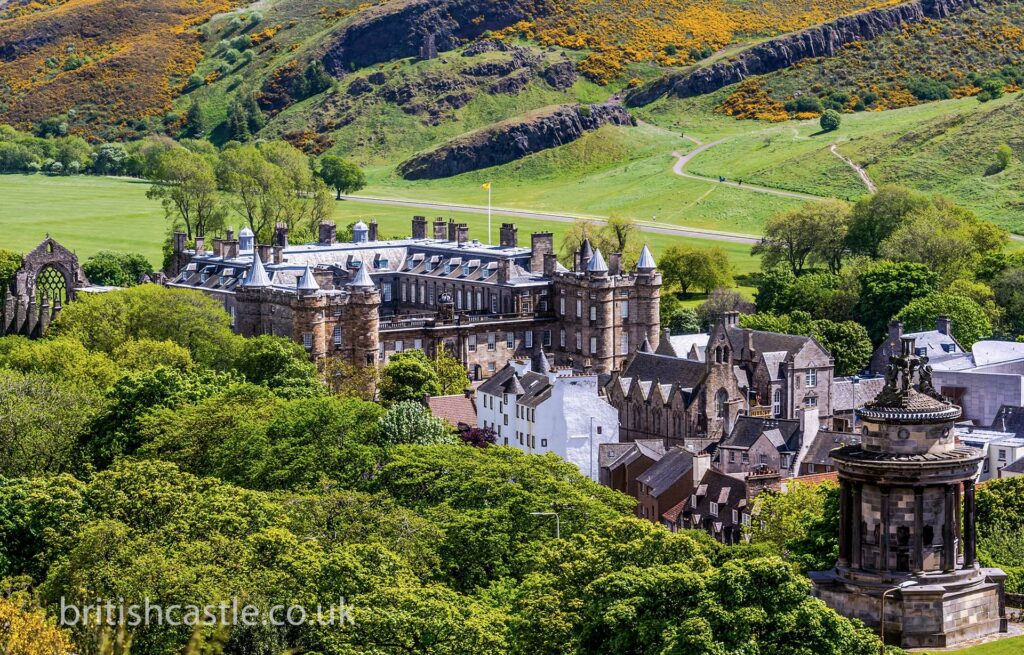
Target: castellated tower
(603,313)
(341,323)
(907,541)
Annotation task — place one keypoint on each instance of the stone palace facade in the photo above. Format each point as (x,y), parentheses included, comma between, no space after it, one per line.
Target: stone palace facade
(366,299)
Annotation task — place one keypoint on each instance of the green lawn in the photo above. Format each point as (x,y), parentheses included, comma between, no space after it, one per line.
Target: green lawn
(89,214)
(1014,646)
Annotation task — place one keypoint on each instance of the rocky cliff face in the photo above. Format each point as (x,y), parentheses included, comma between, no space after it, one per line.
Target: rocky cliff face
(512,140)
(400,28)
(821,41)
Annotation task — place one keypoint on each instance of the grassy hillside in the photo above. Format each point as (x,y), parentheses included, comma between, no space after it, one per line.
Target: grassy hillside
(944,147)
(110,63)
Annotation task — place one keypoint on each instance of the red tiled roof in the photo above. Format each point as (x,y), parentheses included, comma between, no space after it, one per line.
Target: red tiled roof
(817,478)
(672,515)
(454,409)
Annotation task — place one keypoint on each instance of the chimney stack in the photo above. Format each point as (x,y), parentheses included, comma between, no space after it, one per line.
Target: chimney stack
(944,325)
(550,263)
(419,227)
(439,229)
(281,235)
(509,235)
(451,229)
(732,319)
(615,263)
(230,235)
(373,230)
(230,248)
(278,254)
(541,245)
(218,247)
(328,233)
(180,242)
(264,252)
(462,233)
(200,245)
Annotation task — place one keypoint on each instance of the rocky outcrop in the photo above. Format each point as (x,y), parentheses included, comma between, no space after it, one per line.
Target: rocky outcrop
(399,28)
(560,75)
(512,140)
(821,41)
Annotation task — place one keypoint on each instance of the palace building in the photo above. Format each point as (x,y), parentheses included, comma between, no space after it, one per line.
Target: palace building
(366,299)
(908,561)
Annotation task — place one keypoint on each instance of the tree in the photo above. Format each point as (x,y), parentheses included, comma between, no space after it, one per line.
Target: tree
(195,121)
(409,422)
(877,216)
(619,235)
(10,263)
(803,234)
(830,120)
(104,321)
(260,190)
(341,175)
(41,421)
(948,239)
(676,318)
(848,343)
(886,288)
(970,324)
(478,437)
(704,268)
(408,375)
(185,184)
(116,269)
(1008,288)
(149,354)
(721,301)
(1004,155)
(110,159)
(25,631)
(279,364)
(803,524)
(451,372)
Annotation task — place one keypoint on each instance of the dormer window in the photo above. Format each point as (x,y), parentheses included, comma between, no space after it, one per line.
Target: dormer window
(382,263)
(921,352)
(465,270)
(949,347)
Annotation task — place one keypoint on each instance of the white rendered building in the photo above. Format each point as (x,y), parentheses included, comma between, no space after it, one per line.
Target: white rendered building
(545,410)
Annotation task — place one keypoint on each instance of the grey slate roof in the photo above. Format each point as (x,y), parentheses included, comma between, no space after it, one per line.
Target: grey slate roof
(748,430)
(766,342)
(646,260)
(843,392)
(1010,418)
(1016,467)
(665,369)
(673,466)
(823,444)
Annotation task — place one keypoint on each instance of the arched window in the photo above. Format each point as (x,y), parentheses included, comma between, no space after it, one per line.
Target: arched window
(50,283)
(721,398)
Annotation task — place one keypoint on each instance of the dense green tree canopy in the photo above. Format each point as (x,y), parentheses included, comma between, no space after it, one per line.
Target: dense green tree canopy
(970,324)
(116,269)
(888,287)
(408,375)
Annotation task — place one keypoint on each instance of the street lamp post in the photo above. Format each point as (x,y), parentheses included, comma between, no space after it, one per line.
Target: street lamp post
(558,526)
(881,623)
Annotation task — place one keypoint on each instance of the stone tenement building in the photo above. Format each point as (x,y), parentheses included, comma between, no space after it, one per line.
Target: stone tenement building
(49,277)
(691,390)
(367,299)
(907,520)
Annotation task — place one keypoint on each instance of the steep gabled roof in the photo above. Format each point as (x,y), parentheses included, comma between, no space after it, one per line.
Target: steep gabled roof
(748,429)
(667,370)
(675,465)
(818,453)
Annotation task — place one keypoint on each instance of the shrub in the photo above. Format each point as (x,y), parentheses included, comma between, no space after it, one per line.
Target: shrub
(925,88)
(830,120)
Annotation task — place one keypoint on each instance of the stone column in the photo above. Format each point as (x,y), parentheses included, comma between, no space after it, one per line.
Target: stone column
(957,511)
(855,540)
(949,532)
(970,536)
(883,534)
(918,530)
(844,523)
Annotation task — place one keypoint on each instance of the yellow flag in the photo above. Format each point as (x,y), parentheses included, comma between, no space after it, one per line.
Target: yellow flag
(487,186)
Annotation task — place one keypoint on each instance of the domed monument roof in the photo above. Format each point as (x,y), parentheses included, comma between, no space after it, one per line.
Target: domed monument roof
(903,401)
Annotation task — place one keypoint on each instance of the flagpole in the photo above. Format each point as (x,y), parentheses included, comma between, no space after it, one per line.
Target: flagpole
(490,240)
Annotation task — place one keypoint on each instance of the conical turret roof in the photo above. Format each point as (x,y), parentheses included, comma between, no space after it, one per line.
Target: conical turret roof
(308,282)
(362,278)
(256,277)
(646,260)
(597,263)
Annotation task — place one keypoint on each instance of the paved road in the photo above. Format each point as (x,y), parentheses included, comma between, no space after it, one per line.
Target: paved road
(865,178)
(646,226)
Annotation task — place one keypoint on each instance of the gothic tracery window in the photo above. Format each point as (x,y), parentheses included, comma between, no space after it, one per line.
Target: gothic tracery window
(52,285)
